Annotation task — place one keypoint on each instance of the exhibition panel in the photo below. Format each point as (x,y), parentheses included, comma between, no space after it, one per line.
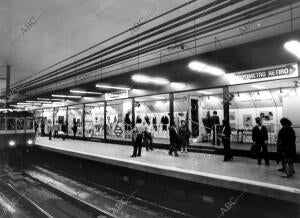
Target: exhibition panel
(119,120)
(75,117)
(94,120)
(154,111)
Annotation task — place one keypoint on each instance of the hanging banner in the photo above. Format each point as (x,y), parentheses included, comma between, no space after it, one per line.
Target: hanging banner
(264,74)
(116,95)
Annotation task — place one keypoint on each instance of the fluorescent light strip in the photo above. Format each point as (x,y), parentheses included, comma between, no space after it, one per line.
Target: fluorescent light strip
(84,92)
(146,79)
(293,47)
(66,96)
(49,99)
(158,97)
(111,87)
(39,102)
(202,67)
(258,86)
(23,103)
(205,92)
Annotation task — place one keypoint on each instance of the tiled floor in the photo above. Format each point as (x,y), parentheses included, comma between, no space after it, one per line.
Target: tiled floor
(242,168)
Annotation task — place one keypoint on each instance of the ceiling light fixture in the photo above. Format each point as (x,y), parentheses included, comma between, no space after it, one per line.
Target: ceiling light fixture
(204,92)
(23,103)
(66,96)
(293,47)
(258,86)
(177,85)
(111,87)
(146,79)
(202,67)
(85,92)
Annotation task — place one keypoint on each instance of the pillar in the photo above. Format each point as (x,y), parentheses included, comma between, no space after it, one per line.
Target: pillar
(105,129)
(171,101)
(226,103)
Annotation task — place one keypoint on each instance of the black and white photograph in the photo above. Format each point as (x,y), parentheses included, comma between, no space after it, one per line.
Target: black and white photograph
(149,108)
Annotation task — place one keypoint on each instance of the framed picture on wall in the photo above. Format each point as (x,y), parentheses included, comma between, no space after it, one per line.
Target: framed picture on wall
(247,120)
(232,115)
(266,115)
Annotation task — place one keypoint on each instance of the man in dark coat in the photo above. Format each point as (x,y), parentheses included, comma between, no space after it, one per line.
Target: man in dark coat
(74,129)
(214,120)
(260,138)
(173,133)
(64,130)
(226,132)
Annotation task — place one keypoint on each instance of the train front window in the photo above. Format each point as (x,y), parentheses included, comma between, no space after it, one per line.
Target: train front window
(29,123)
(20,124)
(11,124)
(2,123)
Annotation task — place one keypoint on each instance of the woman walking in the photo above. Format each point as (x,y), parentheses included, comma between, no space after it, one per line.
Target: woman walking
(286,147)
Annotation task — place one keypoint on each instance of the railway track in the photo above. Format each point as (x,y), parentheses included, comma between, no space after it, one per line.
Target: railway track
(60,195)
(25,197)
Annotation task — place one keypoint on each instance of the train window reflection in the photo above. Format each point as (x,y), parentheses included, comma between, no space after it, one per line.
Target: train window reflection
(29,123)
(20,124)
(11,124)
(2,123)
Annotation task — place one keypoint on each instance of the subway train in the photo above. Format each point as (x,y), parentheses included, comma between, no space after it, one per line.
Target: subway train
(16,128)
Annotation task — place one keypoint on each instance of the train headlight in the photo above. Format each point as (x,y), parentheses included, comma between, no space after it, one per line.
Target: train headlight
(29,142)
(11,143)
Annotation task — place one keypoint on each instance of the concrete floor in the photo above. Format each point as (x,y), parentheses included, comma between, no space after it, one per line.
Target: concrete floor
(240,168)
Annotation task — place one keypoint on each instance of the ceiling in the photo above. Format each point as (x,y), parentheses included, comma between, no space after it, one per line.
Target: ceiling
(60,29)
(54,45)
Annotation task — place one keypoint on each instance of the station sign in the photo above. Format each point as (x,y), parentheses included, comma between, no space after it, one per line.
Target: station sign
(264,74)
(116,95)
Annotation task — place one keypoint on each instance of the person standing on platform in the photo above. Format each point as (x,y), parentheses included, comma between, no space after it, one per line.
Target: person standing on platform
(56,128)
(36,126)
(148,135)
(173,133)
(137,134)
(286,147)
(50,130)
(74,129)
(226,132)
(214,120)
(184,135)
(260,139)
(64,130)
(42,128)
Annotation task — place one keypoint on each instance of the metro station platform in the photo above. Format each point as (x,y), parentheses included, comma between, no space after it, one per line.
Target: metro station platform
(242,174)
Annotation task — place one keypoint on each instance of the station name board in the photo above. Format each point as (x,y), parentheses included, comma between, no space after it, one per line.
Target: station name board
(264,74)
(116,95)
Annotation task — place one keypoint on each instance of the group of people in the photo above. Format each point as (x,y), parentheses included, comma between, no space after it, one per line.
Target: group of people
(142,134)
(286,144)
(209,123)
(55,129)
